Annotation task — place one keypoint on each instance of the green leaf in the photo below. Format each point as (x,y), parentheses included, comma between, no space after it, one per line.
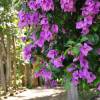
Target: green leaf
(65,52)
(67,84)
(70,42)
(95,28)
(84,38)
(75,50)
(94,38)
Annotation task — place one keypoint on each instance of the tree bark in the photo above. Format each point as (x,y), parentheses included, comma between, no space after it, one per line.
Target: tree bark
(35,80)
(72,93)
(2,75)
(25,75)
(8,67)
(14,61)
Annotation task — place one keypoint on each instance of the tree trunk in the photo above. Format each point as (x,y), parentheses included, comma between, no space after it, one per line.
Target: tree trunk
(72,93)
(35,80)
(25,75)
(3,84)
(14,62)
(2,75)
(29,76)
(8,67)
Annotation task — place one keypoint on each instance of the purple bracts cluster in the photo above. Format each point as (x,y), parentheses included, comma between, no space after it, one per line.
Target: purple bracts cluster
(89,11)
(72,68)
(45,34)
(55,60)
(46,5)
(23,19)
(52,54)
(27,52)
(91,7)
(83,72)
(85,48)
(43,24)
(27,19)
(51,83)
(33,36)
(34,4)
(68,5)
(47,75)
(54,28)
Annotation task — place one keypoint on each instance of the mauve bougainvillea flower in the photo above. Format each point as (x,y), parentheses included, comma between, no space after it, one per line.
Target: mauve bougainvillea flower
(80,24)
(27,19)
(45,18)
(57,62)
(44,21)
(47,75)
(75,81)
(23,38)
(81,74)
(91,7)
(23,22)
(51,83)
(34,18)
(85,30)
(43,34)
(70,53)
(34,4)
(85,74)
(83,62)
(54,28)
(75,77)
(46,27)
(72,68)
(47,5)
(40,42)
(88,20)
(76,59)
(89,76)
(68,5)
(89,11)
(98,87)
(46,35)
(85,48)
(27,52)
(84,24)
(52,54)
(33,36)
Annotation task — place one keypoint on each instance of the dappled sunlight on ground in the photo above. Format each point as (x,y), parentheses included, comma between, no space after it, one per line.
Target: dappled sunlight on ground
(37,94)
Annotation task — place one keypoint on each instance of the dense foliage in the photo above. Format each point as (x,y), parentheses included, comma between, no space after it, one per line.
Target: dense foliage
(65,35)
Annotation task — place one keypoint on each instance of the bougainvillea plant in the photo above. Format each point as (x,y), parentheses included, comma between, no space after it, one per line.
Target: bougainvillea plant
(65,34)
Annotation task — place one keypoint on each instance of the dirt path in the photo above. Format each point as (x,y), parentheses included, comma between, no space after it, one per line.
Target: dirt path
(39,94)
